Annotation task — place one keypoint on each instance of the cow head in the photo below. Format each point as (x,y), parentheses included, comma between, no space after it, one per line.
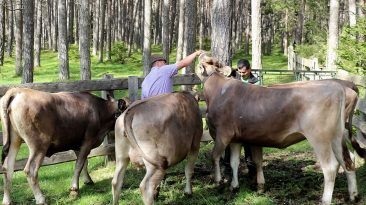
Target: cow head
(209,65)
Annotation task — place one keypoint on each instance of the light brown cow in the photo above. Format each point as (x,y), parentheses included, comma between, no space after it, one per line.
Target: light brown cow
(50,123)
(161,131)
(277,117)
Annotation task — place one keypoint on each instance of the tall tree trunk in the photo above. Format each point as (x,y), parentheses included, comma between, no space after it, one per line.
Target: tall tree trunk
(221,31)
(173,20)
(96,27)
(180,42)
(256,35)
(55,25)
(109,31)
(49,24)
(85,73)
(332,35)
(38,34)
(285,34)
(147,36)
(101,29)
(2,31)
(300,23)
(247,27)
(165,29)
(352,12)
(18,38)
(190,36)
(202,19)
(76,22)
(63,45)
(28,33)
(10,28)
(70,25)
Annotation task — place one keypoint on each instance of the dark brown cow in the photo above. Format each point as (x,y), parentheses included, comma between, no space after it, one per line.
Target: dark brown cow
(50,123)
(277,117)
(161,131)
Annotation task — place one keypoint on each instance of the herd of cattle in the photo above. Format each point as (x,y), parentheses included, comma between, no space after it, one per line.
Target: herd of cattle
(161,131)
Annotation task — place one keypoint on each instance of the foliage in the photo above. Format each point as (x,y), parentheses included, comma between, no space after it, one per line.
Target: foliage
(119,52)
(352,48)
(317,50)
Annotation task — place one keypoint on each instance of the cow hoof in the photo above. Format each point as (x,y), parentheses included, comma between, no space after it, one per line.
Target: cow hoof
(356,199)
(188,195)
(220,185)
(260,188)
(74,193)
(89,183)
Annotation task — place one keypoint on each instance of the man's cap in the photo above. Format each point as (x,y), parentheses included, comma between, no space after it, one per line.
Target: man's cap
(155,58)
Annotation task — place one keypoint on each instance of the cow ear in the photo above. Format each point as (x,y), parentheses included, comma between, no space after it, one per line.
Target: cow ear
(226,70)
(123,104)
(110,97)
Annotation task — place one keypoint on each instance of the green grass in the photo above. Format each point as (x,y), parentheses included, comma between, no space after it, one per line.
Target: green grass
(288,180)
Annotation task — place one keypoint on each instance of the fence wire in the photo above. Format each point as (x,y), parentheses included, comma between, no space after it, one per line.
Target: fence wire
(269,77)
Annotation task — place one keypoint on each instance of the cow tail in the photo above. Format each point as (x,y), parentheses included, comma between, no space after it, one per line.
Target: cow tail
(161,163)
(5,102)
(359,150)
(350,166)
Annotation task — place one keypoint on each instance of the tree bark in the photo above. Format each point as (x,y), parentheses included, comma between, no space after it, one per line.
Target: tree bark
(55,25)
(76,22)
(10,29)
(247,27)
(256,35)
(85,73)
(96,27)
(2,31)
(70,25)
(300,23)
(38,34)
(101,30)
(165,29)
(352,12)
(63,49)
(28,34)
(332,35)
(109,31)
(180,41)
(221,31)
(49,24)
(18,38)
(147,36)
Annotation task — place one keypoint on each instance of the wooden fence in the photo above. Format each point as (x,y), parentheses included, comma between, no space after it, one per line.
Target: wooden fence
(107,84)
(132,84)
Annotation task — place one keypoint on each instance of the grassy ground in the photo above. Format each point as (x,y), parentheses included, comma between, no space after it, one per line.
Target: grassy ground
(290,178)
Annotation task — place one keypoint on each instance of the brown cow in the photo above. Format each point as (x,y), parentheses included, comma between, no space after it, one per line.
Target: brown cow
(161,131)
(50,123)
(277,117)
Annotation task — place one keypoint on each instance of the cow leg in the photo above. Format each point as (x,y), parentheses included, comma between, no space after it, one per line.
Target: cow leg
(216,154)
(189,170)
(8,168)
(329,165)
(122,161)
(35,160)
(234,162)
(80,161)
(87,179)
(150,183)
(338,149)
(257,154)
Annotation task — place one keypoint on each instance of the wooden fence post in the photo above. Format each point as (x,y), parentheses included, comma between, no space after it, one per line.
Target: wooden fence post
(133,88)
(109,138)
